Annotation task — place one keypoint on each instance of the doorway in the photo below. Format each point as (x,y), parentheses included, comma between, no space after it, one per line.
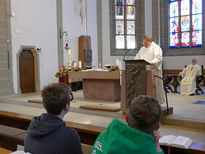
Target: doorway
(27,71)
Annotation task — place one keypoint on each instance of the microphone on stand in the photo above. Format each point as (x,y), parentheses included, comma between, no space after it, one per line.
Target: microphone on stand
(129,51)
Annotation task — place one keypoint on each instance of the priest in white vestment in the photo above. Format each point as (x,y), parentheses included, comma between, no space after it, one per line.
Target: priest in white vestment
(189,75)
(152,53)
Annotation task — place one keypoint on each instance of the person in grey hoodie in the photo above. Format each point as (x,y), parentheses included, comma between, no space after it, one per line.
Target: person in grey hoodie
(47,133)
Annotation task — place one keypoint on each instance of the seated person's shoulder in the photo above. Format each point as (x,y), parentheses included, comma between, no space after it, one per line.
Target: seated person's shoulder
(71,131)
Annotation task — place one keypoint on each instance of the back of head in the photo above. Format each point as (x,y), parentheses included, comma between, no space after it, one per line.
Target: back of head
(55,97)
(144,114)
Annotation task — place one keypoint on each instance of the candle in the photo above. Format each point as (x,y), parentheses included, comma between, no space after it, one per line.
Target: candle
(80,64)
(69,57)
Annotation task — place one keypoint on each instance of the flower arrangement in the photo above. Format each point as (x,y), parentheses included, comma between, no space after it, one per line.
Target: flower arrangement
(61,72)
(75,69)
(114,68)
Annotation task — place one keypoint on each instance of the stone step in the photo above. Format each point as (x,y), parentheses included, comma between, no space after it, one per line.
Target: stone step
(117,115)
(175,120)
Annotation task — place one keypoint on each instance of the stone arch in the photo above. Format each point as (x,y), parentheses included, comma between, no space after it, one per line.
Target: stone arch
(36,54)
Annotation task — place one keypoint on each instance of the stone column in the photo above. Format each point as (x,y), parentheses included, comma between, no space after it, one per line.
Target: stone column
(6,80)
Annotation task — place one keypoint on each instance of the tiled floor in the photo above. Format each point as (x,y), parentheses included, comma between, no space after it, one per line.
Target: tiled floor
(183,108)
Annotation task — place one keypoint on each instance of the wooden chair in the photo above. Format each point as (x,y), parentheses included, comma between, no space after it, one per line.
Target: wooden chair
(167,80)
(198,81)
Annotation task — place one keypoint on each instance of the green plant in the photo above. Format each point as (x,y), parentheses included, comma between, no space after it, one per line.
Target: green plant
(61,72)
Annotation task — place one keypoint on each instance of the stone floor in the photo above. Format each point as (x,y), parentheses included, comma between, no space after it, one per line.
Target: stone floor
(183,108)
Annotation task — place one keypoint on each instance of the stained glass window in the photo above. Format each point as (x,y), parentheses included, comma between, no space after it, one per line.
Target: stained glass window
(174,8)
(174,24)
(120,42)
(174,40)
(125,24)
(185,23)
(120,27)
(185,8)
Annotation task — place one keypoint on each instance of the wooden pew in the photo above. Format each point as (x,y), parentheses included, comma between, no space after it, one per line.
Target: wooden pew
(175,71)
(4,151)
(10,137)
(88,133)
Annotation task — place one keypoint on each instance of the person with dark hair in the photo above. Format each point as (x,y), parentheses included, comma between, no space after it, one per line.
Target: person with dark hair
(141,135)
(48,133)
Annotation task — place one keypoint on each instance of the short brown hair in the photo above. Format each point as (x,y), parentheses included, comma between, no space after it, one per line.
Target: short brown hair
(55,97)
(148,38)
(144,114)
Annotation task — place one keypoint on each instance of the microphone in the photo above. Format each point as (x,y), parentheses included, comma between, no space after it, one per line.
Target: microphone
(129,51)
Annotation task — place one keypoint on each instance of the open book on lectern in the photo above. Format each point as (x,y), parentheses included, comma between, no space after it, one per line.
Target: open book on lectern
(176,141)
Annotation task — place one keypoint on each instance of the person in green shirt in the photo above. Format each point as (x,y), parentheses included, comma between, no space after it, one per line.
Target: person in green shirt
(140,136)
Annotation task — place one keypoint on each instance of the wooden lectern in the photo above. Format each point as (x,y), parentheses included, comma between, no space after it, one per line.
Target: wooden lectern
(137,79)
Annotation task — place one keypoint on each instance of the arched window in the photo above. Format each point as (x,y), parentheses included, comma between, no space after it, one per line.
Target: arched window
(126,31)
(125,24)
(185,23)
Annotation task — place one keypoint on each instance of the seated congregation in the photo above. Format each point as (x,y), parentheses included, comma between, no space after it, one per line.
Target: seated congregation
(48,133)
(44,135)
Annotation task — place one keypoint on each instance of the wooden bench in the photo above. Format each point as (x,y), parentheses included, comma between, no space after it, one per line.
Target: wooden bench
(10,137)
(4,151)
(175,71)
(88,133)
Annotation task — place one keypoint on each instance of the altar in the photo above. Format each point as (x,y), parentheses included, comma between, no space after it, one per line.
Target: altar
(99,85)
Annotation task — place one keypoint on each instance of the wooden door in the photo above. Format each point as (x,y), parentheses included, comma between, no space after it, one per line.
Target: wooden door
(27,71)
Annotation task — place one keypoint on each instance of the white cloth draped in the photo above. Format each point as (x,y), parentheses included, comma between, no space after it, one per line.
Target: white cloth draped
(153,55)
(188,83)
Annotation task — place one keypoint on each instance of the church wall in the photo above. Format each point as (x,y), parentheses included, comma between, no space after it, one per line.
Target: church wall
(72,24)
(178,62)
(5,49)
(34,24)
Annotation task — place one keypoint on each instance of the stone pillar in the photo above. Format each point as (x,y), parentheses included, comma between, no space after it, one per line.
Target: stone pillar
(6,80)
(148,17)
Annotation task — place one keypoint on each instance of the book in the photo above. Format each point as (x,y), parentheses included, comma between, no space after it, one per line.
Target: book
(176,141)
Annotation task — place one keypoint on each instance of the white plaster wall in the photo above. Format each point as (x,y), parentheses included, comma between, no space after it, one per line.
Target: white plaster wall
(34,24)
(72,24)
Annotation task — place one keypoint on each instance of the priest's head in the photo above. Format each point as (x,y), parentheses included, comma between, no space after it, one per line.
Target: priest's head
(147,40)
(56,99)
(194,61)
(144,114)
